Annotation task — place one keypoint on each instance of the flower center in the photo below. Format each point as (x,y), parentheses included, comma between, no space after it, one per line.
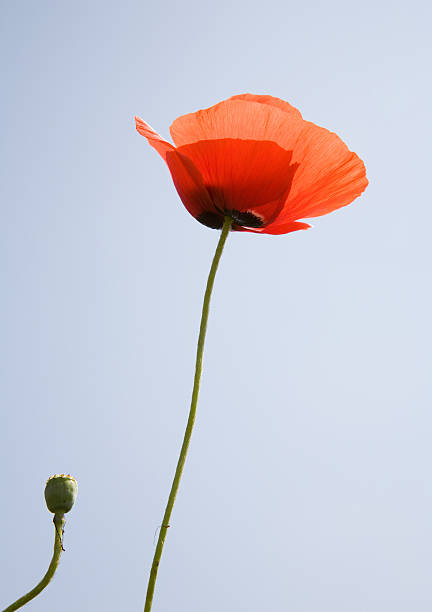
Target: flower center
(244,219)
(248,219)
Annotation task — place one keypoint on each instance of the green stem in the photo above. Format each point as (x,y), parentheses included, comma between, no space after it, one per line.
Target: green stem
(59,522)
(187,436)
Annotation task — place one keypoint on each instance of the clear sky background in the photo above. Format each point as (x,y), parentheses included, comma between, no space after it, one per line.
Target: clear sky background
(309,484)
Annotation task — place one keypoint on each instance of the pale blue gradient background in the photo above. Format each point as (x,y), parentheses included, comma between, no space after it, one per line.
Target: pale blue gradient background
(309,484)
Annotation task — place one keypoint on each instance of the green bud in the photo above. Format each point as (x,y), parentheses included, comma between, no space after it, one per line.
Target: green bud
(60,493)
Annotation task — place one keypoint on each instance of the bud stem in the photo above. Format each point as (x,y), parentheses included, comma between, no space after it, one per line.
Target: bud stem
(59,522)
(187,436)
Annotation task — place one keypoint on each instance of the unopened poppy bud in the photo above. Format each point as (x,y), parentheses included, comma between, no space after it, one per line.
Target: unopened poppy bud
(60,493)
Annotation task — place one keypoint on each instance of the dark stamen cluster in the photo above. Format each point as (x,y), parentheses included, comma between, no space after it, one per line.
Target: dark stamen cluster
(244,219)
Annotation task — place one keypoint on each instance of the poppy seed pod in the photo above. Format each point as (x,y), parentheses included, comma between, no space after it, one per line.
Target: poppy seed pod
(60,493)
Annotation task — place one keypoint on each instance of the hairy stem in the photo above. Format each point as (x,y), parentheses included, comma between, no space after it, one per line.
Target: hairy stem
(187,436)
(59,522)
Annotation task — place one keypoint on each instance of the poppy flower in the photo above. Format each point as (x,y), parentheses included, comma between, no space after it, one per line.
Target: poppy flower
(255,159)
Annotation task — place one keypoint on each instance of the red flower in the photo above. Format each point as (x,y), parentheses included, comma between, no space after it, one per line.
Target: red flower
(255,159)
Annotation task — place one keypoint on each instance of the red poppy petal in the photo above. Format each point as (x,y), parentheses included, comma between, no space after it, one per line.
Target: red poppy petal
(189,184)
(229,161)
(244,175)
(240,119)
(186,177)
(277,228)
(270,100)
(328,177)
(154,139)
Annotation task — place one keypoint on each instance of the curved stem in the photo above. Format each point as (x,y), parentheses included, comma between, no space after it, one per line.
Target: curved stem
(59,522)
(187,436)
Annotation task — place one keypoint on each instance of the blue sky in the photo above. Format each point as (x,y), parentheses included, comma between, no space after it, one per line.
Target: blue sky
(308,482)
